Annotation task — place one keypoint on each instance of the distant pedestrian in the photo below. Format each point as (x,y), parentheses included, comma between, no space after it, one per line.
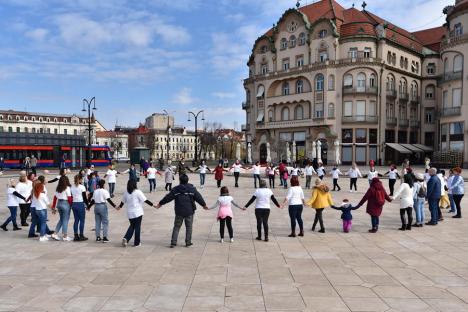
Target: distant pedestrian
(111,176)
(392,177)
(27,164)
(168,178)
(353,174)
(203,168)
(151,173)
(33,163)
(335,173)
(2,164)
(458,190)
(309,171)
(185,196)
(219,174)
(433,196)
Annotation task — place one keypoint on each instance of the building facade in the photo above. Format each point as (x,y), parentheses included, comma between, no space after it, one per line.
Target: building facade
(357,83)
(159,121)
(117,141)
(44,123)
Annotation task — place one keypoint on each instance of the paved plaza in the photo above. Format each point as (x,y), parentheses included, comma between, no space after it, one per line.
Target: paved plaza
(425,269)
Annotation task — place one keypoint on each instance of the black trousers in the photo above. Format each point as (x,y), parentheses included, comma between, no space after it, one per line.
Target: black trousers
(33,170)
(335,184)
(409,212)
(236,179)
(457,199)
(353,181)
(218,183)
(168,186)
(134,227)
(25,209)
(262,216)
(295,213)
(271,180)
(318,218)
(391,185)
(228,222)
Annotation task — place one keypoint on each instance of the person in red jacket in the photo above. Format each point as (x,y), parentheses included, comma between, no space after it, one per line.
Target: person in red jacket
(375,197)
(219,174)
(282,168)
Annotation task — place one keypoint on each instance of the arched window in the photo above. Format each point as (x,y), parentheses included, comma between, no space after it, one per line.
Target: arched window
(285,114)
(270,115)
(323,33)
(402,61)
(372,81)
(319,82)
(414,89)
(298,112)
(457,63)
(404,86)
(292,41)
(284,44)
(302,39)
(299,86)
(285,89)
(361,82)
(446,66)
(348,81)
(331,110)
(331,82)
(260,92)
(9,117)
(389,57)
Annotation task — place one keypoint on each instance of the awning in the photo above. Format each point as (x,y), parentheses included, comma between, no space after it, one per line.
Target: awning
(398,148)
(260,117)
(261,91)
(412,148)
(424,147)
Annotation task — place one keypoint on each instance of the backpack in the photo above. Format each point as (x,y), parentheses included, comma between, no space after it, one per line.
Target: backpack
(380,196)
(422,191)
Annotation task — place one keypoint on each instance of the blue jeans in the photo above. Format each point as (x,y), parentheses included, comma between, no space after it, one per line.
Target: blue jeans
(12,217)
(419,210)
(42,220)
(375,222)
(434,209)
(102,218)
(202,178)
(453,208)
(63,208)
(152,183)
(111,189)
(295,213)
(256,177)
(34,222)
(134,227)
(79,213)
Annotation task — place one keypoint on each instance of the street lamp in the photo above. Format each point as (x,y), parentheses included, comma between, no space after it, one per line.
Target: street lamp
(89,110)
(168,134)
(196,129)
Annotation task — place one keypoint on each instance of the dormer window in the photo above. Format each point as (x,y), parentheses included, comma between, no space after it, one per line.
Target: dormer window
(284,44)
(263,49)
(302,39)
(458,29)
(323,33)
(431,68)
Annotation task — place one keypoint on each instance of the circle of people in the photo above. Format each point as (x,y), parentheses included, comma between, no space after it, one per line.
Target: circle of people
(29,196)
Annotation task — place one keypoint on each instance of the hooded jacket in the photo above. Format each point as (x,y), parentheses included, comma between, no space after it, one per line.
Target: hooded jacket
(184,197)
(374,207)
(321,197)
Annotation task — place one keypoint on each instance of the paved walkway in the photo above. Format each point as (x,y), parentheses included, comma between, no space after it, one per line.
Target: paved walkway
(425,269)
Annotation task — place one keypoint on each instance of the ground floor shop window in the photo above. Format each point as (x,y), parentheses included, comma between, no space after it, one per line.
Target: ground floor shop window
(402,137)
(373,153)
(361,154)
(347,154)
(390,136)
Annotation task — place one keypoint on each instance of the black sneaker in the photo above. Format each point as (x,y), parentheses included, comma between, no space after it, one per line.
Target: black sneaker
(188,244)
(4,228)
(172,246)
(16,228)
(98,239)
(50,232)
(24,224)
(34,235)
(83,238)
(105,240)
(76,238)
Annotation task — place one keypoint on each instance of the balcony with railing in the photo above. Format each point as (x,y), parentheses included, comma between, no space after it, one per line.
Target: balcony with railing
(360,119)
(415,123)
(450,111)
(391,93)
(453,40)
(359,90)
(446,77)
(245,105)
(298,123)
(289,98)
(415,99)
(391,121)
(403,96)
(403,123)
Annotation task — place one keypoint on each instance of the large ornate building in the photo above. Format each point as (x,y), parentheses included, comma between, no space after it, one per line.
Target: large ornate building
(357,83)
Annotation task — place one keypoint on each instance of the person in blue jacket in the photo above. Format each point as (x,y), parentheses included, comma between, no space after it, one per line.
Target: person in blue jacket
(433,196)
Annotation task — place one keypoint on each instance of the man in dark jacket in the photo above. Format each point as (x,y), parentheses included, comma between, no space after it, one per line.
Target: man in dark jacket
(433,196)
(184,196)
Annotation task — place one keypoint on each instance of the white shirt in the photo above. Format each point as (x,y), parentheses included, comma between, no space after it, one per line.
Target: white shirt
(111,176)
(449,183)
(25,189)
(270,171)
(134,203)
(321,171)
(354,173)
(151,172)
(12,199)
(295,171)
(256,169)
(295,195)
(336,173)
(100,196)
(40,203)
(237,167)
(442,184)
(405,193)
(372,174)
(203,168)
(263,196)
(309,170)
(64,195)
(392,174)
(77,193)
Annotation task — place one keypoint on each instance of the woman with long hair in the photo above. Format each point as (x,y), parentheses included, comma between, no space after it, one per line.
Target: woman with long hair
(320,200)
(101,215)
(80,199)
(405,193)
(354,173)
(375,198)
(295,199)
(41,202)
(62,203)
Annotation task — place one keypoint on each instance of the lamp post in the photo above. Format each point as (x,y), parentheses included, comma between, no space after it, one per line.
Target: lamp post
(89,109)
(196,130)
(168,134)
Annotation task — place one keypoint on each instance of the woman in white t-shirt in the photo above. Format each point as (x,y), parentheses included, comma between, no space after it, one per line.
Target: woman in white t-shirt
(256,173)
(12,203)
(101,215)
(262,196)
(295,199)
(151,175)
(225,215)
(62,203)
(24,187)
(111,176)
(236,167)
(405,193)
(203,168)
(134,199)
(392,177)
(41,202)
(80,199)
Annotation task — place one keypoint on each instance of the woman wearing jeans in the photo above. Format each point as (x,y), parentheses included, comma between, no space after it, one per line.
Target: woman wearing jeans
(62,201)
(458,190)
(419,196)
(203,168)
(78,192)
(41,203)
(134,198)
(295,198)
(375,198)
(100,197)
(262,196)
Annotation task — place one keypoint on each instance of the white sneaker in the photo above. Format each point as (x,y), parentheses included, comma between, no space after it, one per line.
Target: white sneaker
(221,240)
(124,242)
(139,245)
(43,239)
(67,239)
(350,191)
(54,236)
(232,240)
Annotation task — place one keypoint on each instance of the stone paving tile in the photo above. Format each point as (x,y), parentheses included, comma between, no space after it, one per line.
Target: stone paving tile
(421,270)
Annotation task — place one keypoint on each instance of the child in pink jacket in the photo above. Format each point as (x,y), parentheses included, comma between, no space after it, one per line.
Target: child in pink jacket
(224,216)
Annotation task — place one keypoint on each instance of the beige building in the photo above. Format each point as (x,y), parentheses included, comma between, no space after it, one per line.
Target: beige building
(159,121)
(117,141)
(357,83)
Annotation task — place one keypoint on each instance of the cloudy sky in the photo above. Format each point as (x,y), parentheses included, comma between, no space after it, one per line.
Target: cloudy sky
(140,57)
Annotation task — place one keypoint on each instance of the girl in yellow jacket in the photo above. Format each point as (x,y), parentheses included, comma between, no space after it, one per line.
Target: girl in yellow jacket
(320,199)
